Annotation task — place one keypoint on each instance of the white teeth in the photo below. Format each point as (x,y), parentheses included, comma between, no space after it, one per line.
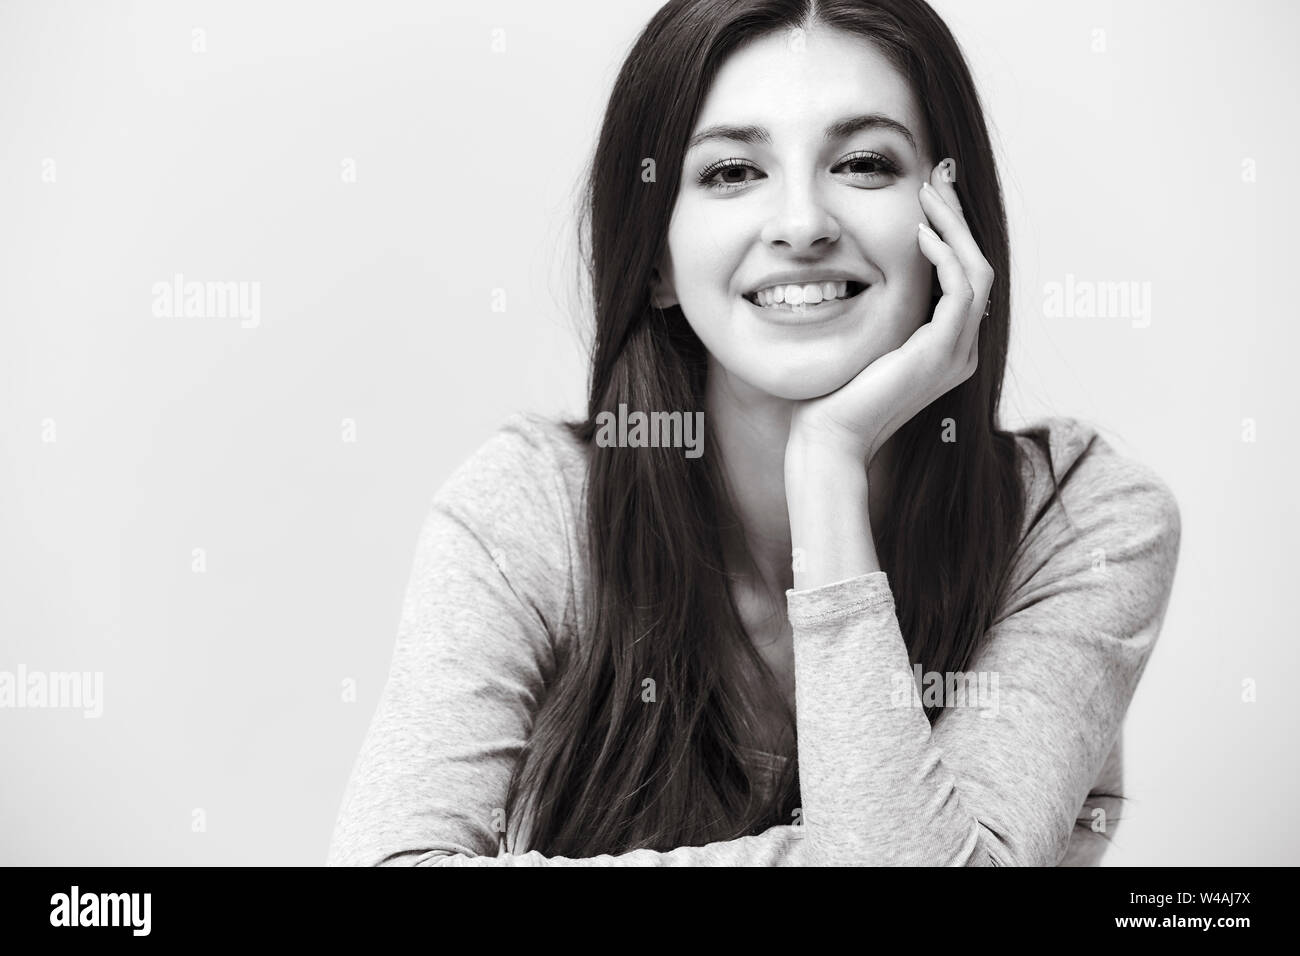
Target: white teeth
(811,293)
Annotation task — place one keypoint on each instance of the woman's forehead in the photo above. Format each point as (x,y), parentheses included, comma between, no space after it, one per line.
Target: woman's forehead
(791,82)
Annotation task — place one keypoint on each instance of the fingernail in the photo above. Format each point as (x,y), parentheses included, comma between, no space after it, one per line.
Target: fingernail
(926,187)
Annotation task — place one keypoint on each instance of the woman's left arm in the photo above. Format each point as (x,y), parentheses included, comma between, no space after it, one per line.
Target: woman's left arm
(1001,783)
(981,788)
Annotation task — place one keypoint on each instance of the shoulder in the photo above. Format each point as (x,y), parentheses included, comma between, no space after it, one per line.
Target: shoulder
(1097,480)
(515,506)
(1113,512)
(530,458)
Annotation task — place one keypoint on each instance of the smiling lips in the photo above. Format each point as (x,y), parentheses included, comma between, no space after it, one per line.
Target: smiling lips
(804,294)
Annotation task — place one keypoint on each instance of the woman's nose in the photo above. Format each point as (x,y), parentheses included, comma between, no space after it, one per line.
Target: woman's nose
(801,222)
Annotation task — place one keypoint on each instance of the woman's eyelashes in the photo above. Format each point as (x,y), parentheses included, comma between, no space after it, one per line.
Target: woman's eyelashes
(708,176)
(885,165)
(863,167)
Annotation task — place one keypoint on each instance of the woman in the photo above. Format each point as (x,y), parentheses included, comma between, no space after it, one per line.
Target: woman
(612,641)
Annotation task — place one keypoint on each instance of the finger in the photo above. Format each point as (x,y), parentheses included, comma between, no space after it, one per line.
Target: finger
(944,179)
(952,314)
(952,228)
(972,345)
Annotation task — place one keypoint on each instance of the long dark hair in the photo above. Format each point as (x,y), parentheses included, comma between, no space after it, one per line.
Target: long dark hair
(606,771)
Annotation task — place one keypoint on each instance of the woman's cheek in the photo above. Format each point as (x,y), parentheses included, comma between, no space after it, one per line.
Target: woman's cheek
(707,250)
(901,259)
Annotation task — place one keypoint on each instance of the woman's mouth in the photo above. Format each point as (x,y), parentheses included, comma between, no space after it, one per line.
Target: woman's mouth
(803,298)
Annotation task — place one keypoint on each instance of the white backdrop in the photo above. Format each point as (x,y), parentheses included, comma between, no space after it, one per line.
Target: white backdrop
(218,514)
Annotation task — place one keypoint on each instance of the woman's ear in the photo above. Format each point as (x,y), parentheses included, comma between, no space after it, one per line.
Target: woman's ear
(662,293)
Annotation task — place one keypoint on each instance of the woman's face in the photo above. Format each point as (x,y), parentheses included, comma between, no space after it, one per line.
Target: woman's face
(801,186)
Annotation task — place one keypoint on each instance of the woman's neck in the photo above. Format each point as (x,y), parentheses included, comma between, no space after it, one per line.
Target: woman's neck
(749,429)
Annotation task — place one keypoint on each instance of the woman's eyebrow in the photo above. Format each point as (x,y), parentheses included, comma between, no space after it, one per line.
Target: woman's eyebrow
(837,130)
(741,134)
(854,124)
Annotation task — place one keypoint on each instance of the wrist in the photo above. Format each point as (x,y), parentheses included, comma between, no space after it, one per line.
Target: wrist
(827,498)
(813,455)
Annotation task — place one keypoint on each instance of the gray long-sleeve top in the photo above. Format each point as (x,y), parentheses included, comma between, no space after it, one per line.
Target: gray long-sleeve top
(498,582)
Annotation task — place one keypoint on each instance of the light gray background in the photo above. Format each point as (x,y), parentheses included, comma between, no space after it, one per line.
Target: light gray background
(223,690)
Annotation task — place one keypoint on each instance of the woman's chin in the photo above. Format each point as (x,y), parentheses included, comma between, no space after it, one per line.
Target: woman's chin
(798,384)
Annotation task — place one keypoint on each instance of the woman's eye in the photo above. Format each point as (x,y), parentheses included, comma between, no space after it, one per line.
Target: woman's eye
(728,175)
(868,167)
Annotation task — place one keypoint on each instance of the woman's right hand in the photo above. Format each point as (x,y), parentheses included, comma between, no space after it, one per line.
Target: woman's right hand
(857,419)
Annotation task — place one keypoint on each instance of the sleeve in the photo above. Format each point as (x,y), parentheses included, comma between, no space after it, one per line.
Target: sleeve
(1000,784)
(1099,817)
(487,593)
